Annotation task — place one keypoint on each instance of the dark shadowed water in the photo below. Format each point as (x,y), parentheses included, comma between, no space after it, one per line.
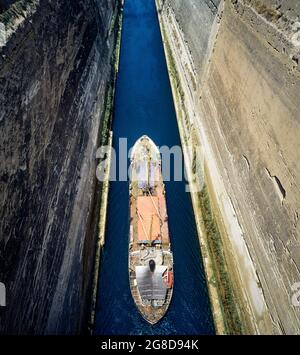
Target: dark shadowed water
(144,105)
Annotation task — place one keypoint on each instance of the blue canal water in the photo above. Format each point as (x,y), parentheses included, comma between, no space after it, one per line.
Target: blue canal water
(144,105)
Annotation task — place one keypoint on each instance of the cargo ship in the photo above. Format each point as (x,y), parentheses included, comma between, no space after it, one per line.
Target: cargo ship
(150,256)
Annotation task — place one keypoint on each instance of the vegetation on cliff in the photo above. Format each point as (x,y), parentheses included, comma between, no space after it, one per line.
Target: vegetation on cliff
(221,279)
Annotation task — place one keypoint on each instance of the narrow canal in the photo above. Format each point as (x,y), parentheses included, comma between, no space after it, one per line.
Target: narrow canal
(144,105)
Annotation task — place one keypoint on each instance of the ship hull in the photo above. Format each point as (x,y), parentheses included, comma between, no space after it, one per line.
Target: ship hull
(150,256)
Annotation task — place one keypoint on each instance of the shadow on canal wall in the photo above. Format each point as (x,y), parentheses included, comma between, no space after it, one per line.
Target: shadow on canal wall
(56,64)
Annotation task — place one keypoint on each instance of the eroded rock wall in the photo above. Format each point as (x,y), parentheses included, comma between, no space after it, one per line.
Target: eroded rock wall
(242,94)
(55,68)
(196,16)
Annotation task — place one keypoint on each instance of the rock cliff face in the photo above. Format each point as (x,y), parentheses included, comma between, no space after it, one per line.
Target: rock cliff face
(238,67)
(55,69)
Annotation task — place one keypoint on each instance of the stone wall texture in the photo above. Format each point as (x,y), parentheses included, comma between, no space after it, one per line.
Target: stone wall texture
(55,69)
(244,58)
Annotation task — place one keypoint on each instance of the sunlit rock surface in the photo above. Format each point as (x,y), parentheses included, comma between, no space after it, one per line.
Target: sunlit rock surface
(240,61)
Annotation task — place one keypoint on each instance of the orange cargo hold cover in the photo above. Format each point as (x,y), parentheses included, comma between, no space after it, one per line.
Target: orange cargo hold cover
(148,221)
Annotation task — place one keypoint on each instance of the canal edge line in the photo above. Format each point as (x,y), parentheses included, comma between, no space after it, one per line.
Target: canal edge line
(102,208)
(101,233)
(104,198)
(207,262)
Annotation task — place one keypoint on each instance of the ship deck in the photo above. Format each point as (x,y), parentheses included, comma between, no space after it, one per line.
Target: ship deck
(149,237)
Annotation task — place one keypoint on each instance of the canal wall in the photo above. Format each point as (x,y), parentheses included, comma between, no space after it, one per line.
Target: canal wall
(102,189)
(234,68)
(56,70)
